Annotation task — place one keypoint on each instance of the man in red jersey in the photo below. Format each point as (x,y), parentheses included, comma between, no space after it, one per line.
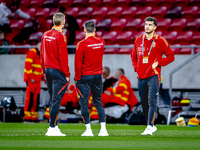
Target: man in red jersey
(88,70)
(54,61)
(147,61)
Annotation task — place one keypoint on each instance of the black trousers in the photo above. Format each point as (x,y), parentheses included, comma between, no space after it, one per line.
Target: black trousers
(55,81)
(93,83)
(148,91)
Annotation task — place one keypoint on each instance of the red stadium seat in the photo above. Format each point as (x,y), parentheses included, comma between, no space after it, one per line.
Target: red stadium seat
(80,23)
(94,3)
(184,38)
(123,3)
(164,24)
(109,37)
(79,3)
(143,12)
(80,35)
(24,4)
(193,25)
(65,3)
(22,50)
(124,38)
(129,12)
(104,25)
(118,24)
(35,38)
(195,3)
(108,3)
(114,13)
(31,12)
(196,38)
(178,25)
(53,11)
(99,13)
(152,3)
(159,32)
(183,3)
(133,24)
(135,35)
(190,12)
(42,14)
(174,12)
(45,26)
(167,3)
(187,50)
(85,13)
(125,50)
(51,3)
(159,12)
(176,50)
(111,50)
(9,37)
(17,25)
(11,50)
(99,33)
(73,11)
(137,3)
(36,3)
(197,50)
(170,36)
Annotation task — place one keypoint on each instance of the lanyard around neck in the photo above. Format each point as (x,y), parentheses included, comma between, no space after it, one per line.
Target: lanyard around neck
(143,46)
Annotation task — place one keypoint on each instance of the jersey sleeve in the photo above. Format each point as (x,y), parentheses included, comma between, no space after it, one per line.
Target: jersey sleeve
(134,56)
(42,56)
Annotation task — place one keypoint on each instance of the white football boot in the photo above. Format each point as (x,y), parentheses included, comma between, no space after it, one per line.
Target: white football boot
(149,130)
(88,132)
(55,131)
(103,133)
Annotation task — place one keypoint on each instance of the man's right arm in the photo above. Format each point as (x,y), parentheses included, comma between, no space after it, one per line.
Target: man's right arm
(42,56)
(134,57)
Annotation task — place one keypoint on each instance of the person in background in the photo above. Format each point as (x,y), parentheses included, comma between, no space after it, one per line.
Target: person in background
(32,76)
(3,42)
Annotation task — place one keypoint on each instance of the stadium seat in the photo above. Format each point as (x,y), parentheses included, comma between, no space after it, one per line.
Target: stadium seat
(167,3)
(123,3)
(103,25)
(53,11)
(42,14)
(184,38)
(114,13)
(196,38)
(85,13)
(9,37)
(129,12)
(195,3)
(174,12)
(31,12)
(125,50)
(24,4)
(35,38)
(135,35)
(80,23)
(137,3)
(51,3)
(170,37)
(193,25)
(143,12)
(118,25)
(22,50)
(178,25)
(133,24)
(197,50)
(94,3)
(111,50)
(73,11)
(123,38)
(80,35)
(176,50)
(183,3)
(30,26)
(65,3)
(99,33)
(99,13)
(45,26)
(159,32)
(190,12)
(17,25)
(11,50)
(187,50)
(109,37)
(79,3)
(164,24)
(36,3)
(108,3)
(159,12)
(152,3)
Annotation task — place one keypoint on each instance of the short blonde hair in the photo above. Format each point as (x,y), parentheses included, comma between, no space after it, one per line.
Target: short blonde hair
(58,19)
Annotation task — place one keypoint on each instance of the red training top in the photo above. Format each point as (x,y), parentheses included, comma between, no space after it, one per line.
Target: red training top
(89,56)
(54,51)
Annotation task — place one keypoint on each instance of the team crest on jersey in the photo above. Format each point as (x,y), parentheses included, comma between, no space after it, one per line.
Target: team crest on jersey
(154,45)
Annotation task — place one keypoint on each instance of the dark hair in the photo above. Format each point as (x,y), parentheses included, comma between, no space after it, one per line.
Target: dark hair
(108,69)
(62,9)
(151,19)
(122,70)
(89,26)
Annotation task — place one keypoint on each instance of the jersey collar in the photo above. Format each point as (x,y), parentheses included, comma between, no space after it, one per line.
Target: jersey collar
(57,28)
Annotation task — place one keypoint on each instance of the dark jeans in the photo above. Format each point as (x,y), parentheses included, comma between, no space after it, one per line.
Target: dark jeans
(93,83)
(148,91)
(55,81)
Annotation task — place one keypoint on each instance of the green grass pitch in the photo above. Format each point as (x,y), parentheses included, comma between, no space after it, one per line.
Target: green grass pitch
(32,136)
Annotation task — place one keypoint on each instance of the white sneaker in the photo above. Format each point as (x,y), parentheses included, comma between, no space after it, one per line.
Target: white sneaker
(154,129)
(88,132)
(54,132)
(149,130)
(103,133)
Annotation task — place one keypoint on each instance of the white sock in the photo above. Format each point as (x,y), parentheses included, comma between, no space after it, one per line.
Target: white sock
(103,126)
(88,126)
